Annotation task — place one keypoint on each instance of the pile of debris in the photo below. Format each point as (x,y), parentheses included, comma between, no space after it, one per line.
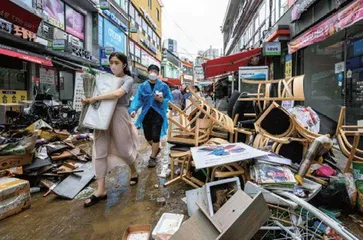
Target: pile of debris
(44,158)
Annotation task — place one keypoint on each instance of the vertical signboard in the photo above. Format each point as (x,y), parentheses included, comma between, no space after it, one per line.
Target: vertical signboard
(288,66)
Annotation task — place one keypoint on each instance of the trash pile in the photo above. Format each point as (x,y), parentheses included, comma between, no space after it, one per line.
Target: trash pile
(293,190)
(44,158)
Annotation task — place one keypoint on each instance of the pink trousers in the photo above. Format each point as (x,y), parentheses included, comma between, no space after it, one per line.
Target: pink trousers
(116,144)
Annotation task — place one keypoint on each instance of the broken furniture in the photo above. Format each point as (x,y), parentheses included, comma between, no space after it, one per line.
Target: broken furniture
(14,196)
(348,146)
(239,218)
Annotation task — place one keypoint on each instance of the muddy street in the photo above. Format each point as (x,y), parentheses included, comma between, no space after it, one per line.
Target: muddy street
(55,218)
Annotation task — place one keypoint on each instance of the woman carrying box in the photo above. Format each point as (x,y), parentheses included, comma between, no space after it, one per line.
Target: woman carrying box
(121,135)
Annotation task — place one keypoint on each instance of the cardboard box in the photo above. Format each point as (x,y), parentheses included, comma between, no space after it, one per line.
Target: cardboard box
(14,196)
(15,160)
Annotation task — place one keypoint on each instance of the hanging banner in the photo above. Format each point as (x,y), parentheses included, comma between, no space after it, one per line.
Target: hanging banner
(300,7)
(339,21)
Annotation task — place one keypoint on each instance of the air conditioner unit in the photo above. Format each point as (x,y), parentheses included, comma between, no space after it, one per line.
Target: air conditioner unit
(74,41)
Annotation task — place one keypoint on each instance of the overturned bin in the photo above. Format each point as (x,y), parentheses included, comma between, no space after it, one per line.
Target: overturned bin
(14,196)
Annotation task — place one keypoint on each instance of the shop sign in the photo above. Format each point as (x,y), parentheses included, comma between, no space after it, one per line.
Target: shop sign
(114,37)
(100,30)
(109,50)
(104,58)
(272,49)
(133,30)
(24,33)
(300,7)
(78,92)
(288,66)
(5,26)
(80,52)
(339,21)
(104,5)
(339,67)
(47,76)
(115,19)
(13,96)
(253,73)
(43,42)
(59,44)
(19,16)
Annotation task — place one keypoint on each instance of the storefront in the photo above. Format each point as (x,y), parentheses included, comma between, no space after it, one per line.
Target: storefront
(330,55)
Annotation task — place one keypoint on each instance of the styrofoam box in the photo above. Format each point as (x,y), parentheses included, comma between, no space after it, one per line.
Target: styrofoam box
(100,117)
(208,186)
(168,224)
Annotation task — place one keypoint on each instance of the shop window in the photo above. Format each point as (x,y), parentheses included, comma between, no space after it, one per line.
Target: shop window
(262,13)
(150,2)
(322,86)
(132,12)
(284,6)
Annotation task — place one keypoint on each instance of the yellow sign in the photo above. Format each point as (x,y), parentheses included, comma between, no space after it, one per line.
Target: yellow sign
(288,66)
(13,96)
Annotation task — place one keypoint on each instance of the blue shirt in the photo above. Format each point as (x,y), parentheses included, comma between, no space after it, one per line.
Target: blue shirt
(144,99)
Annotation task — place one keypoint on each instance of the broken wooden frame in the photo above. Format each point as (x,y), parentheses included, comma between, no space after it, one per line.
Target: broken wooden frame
(351,151)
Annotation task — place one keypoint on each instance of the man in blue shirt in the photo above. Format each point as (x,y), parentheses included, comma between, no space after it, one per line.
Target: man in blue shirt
(153,97)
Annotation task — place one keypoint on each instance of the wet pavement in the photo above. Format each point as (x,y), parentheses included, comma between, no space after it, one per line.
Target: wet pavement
(55,218)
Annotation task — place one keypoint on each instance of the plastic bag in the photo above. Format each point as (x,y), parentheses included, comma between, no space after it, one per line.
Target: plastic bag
(325,171)
(352,190)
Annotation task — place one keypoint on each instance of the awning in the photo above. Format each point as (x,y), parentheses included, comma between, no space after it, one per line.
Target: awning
(344,18)
(20,16)
(173,81)
(24,55)
(68,64)
(229,63)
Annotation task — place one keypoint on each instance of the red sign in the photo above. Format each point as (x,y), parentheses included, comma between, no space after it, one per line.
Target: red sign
(19,16)
(13,52)
(342,19)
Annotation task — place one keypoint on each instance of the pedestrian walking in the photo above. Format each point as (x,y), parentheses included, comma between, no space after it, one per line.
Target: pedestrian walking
(177,99)
(153,97)
(121,134)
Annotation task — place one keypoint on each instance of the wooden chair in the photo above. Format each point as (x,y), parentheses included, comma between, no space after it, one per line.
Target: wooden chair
(183,131)
(201,135)
(348,139)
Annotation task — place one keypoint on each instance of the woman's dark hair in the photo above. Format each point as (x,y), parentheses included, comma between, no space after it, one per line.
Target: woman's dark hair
(123,58)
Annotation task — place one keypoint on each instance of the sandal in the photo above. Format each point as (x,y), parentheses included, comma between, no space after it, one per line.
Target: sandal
(157,153)
(93,200)
(152,162)
(135,180)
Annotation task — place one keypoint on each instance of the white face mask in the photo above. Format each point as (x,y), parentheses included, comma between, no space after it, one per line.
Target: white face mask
(153,76)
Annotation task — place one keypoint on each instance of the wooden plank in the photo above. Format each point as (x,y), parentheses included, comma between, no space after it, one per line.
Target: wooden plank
(247,223)
(198,227)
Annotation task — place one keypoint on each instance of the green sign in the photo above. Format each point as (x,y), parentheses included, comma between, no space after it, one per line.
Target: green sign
(59,44)
(272,49)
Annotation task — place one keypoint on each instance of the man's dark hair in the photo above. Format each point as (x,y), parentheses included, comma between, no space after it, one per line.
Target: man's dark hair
(153,67)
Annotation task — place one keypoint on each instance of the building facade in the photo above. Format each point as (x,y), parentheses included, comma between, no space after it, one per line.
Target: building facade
(145,35)
(171,66)
(210,53)
(318,38)
(188,72)
(42,43)
(171,45)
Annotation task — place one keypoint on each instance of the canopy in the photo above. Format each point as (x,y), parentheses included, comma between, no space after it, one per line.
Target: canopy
(229,63)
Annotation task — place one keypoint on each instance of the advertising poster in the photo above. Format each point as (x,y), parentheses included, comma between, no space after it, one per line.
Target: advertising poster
(78,92)
(47,76)
(100,31)
(13,96)
(114,37)
(74,23)
(251,73)
(54,10)
(288,66)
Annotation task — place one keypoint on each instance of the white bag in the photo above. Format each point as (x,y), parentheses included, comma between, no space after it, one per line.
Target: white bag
(99,115)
